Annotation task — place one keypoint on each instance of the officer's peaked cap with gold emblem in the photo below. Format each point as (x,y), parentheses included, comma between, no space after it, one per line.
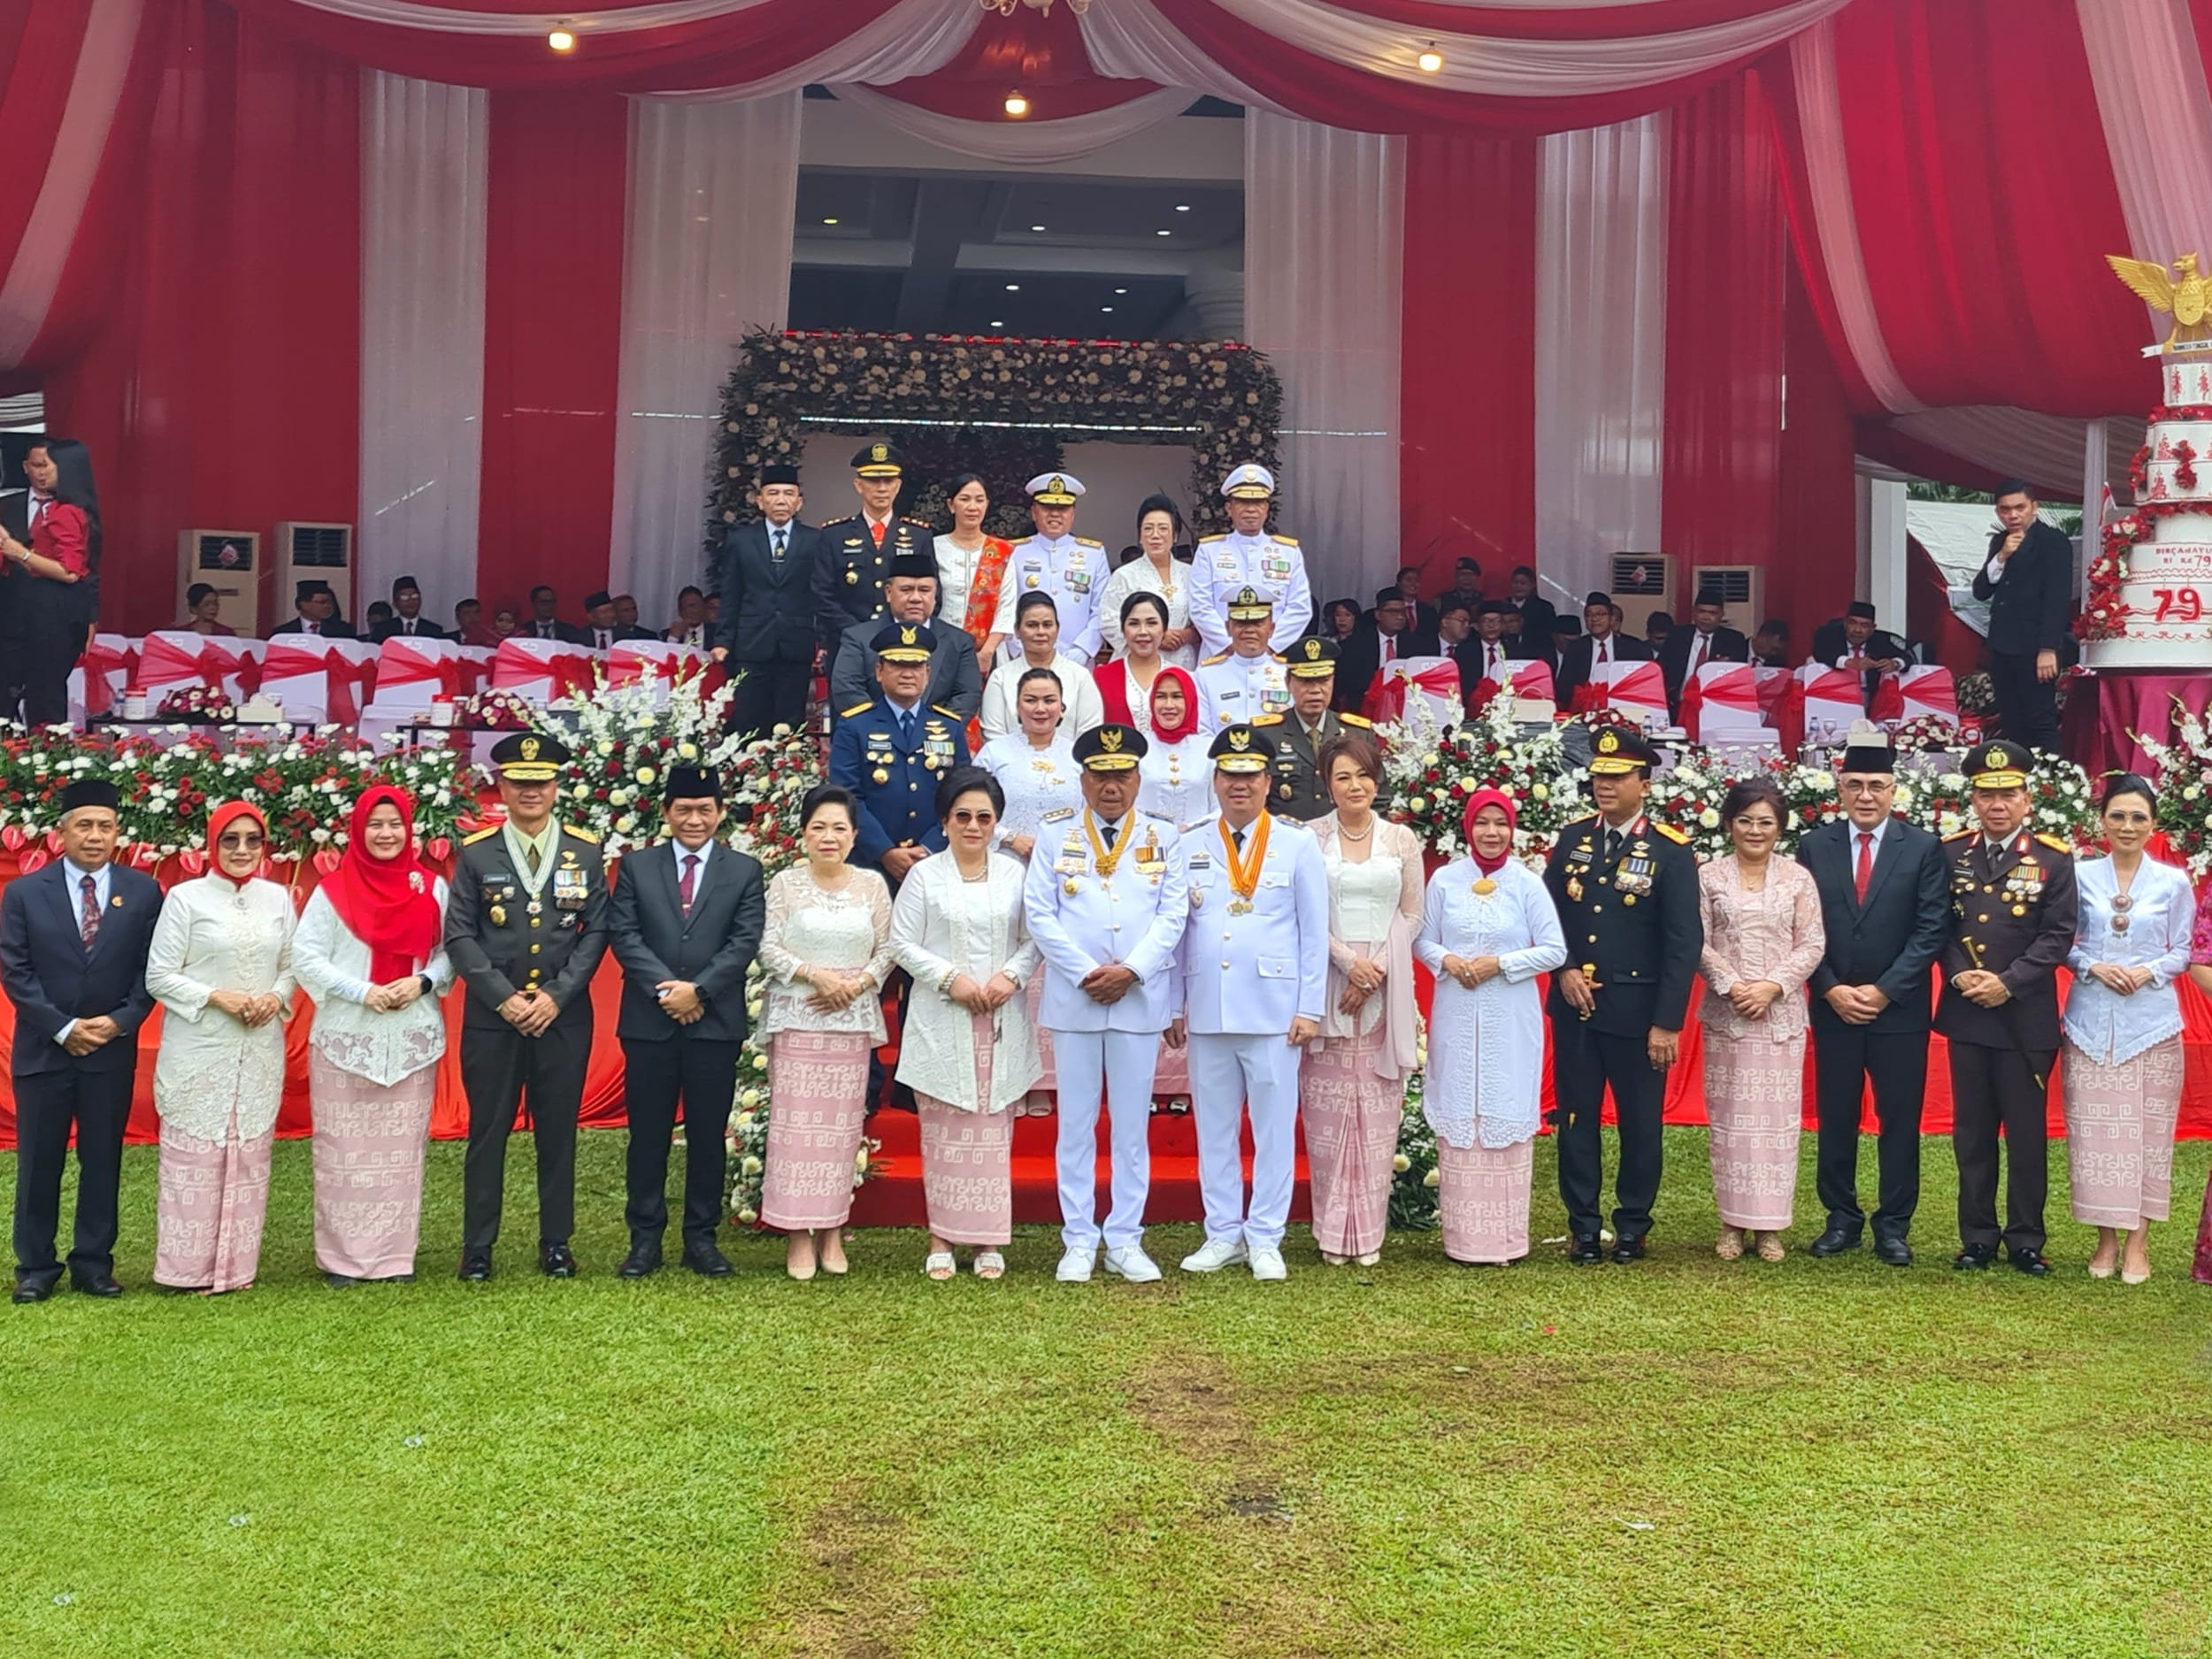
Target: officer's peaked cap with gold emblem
(530,757)
(1310,658)
(1238,749)
(1250,606)
(1250,481)
(1998,765)
(1109,748)
(903,643)
(1621,750)
(1055,489)
(877,459)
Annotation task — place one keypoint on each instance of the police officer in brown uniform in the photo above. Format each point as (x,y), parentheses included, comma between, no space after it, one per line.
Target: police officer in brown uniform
(855,554)
(2012,923)
(1298,790)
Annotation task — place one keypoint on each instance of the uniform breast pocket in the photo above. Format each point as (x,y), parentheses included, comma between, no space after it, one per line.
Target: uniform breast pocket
(1274,881)
(1278,968)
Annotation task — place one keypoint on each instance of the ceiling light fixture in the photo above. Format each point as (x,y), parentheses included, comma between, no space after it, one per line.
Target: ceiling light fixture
(1105,308)
(1017,106)
(561,40)
(1182,207)
(1013,288)
(1121,291)
(1037,228)
(1162,232)
(829,221)
(1430,61)
(997,323)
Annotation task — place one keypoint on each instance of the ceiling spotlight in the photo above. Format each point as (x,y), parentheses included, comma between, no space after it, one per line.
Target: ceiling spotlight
(829,221)
(1162,232)
(1430,61)
(1105,308)
(1037,228)
(1121,291)
(1017,106)
(1013,288)
(1182,207)
(561,41)
(997,323)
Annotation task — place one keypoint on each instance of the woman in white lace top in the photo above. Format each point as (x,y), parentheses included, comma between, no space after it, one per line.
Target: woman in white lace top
(826,951)
(370,950)
(221,967)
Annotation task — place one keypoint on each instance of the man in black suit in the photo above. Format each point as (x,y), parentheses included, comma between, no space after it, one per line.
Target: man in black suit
(601,631)
(1420,618)
(690,625)
(1380,638)
(1455,638)
(545,623)
(74,937)
(1770,645)
(1852,641)
(626,626)
(1535,612)
(1564,632)
(408,621)
(1708,639)
(2028,582)
(685,923)
(766,581)
(1599,644)
(1485,656)
(317,609)
(910,595)
(1886,910)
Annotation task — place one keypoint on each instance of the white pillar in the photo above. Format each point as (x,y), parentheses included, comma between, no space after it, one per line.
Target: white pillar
(2093,488)
(1882,549)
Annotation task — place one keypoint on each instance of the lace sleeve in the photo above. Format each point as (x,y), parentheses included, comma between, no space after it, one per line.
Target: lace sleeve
(287,979)
(881,961)
(1412,896)
(165,979)
(775,960)
(312,944)
(1809,936)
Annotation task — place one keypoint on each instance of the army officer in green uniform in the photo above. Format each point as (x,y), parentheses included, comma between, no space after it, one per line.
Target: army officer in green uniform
(525,927)
(1296,787)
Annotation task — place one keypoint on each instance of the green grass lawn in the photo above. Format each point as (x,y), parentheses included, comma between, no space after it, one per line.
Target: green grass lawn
(1681,1457)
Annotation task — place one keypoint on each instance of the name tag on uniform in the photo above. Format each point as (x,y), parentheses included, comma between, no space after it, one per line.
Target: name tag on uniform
(1200,862)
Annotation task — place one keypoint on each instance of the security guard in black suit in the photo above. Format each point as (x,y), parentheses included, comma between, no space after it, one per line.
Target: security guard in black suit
(1626,892)
(1298,789)
(891,753)
(525,925)
(857,552)
(2013,912)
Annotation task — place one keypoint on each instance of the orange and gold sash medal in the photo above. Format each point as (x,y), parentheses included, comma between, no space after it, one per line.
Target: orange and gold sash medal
(1244,872)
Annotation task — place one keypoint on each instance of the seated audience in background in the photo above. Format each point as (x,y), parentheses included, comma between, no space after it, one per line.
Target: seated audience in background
(1133,552)
(1454,637)
(544,623)
(1484,656)
(690,625)
(506,623)
(1564,632)
(1467,581)
(1658,627)
(1708,639)
(317,609)
(1603,643)
(407,620)
(625,622)
(600,630)
(1852,641)
(377,618)
(1339,618)
(1770,645)
(470,627)
(1420,618)
(203,605)
(1378,640)
(1535,612)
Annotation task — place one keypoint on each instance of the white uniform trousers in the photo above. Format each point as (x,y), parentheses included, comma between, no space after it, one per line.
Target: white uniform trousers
(1228,1073)
(1123,1061)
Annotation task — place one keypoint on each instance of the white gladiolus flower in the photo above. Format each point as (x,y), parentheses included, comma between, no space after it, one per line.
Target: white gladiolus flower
(318,834)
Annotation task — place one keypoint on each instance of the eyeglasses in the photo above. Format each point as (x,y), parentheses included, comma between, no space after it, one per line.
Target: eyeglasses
(246,843)
(983,820)
(1866,786)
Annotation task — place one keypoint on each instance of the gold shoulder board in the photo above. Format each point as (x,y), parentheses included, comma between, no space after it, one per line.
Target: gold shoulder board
(1085,541)
(950,714)
(1672,834)
(2055,844)
(1287,541)
(482,834)
(861,708)
(1057,813)
(1965,835)
(1267,719)
(1218,536)
(1218,656)
(580,835)
(1356,719)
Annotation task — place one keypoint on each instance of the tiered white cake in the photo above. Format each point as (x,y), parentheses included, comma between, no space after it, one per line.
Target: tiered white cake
(2168,588)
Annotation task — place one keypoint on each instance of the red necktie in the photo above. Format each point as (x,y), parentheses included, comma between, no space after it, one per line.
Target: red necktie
(1865,871)
(89,922)
(876,530)
(685,887)
(1697,658)
(1603,657)
(1490,671)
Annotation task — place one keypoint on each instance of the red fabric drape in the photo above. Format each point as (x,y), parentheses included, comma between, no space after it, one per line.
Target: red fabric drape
(225,392)
(1929,618)
(1040,53)
(1816,571)
(552,340)
(38,40)
(1467,380)
(1721,459)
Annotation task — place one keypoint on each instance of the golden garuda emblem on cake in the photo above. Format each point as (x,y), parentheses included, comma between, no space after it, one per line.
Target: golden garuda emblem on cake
(2182,291)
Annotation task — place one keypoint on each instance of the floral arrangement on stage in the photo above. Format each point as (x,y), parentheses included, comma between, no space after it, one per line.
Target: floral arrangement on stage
(1429,772)
(626,739)
(767,780)
(1926,734)
(2184,788)
(492,709)
(304,786)
(197,705)
(1223,400)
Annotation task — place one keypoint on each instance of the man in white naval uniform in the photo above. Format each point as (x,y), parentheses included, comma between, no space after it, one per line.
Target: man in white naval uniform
(1248,556)
(1107,903)
(1247,680)
(1255,969)
(1072,569)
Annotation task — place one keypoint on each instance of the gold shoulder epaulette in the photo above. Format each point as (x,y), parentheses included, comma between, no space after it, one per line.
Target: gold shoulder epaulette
(1964,834)
(1218,656)
(1287,541)
(1218,536)
(950,714)
(1672,834)
(1057,813)
(482,834)
(580,835)
(1587,817)
(1267,719)
(860,708)
(1356,719)
(2054,843)
(1086,541)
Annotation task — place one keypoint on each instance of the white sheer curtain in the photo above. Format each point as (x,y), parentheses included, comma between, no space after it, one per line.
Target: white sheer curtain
(1601,347)
(712,190)
(423,157)
(1325,234)
(2147,68)
(1022,143)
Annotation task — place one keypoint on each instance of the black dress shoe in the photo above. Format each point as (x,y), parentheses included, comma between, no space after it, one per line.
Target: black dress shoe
(1892,1252)
(1589,1250)
(641,1260)
(1975,1257)
(29,1291)
(2030,1263)
(1835,1241)
(556,1261)
(476,1266)
(339,1281)
(706,1261)
(1629,1249)
(99,1284)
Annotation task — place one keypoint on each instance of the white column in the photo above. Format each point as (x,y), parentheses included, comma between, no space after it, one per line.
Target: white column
(1882,561)
(2094,459)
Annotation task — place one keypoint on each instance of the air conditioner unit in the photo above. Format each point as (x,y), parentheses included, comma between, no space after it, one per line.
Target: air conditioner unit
(316,552)
(1641,585)
(1743,589)
(229,561)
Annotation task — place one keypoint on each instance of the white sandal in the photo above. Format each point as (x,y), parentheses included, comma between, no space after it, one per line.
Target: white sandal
(990,1265)
(939,1265)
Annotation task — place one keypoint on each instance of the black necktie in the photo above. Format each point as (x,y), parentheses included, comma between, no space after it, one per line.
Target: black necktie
(775,549)
(1237,836)
(906,727)
(1612,845)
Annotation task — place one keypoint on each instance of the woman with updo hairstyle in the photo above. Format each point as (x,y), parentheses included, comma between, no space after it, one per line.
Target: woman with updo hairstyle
(971,565)
(2122,1026)
(1164,570)
(1126,681)
(1764,938)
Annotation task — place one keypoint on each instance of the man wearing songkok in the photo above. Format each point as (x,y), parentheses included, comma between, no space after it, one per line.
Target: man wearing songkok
(2013,911)
(525,927)
(1055,561)
(685,923)
(767,631)
(1248,556)
(856,553)
(1255,970)
(1886,909)
(1853,642)
(910,595)
(74,939)
(1625,889)
(1247,680)
(1298,735)
(1107,900)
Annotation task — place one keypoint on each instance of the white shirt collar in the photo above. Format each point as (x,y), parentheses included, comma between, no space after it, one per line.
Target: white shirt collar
(102,883)
(1877,832)
(682,852)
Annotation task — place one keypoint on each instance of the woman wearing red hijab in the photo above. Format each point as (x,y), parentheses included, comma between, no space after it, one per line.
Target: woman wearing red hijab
(1488,930)
(369,952)
(221,967)
(1176,779)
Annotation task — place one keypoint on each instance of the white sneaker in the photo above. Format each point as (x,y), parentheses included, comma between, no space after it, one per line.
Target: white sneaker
(1075,1264)
(1267,1262)
(1132,1265)
(1213,1255)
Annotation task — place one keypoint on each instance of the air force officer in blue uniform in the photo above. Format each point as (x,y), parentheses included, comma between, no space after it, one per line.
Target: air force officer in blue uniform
(1107,900)
(891,753)
(1256,964)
